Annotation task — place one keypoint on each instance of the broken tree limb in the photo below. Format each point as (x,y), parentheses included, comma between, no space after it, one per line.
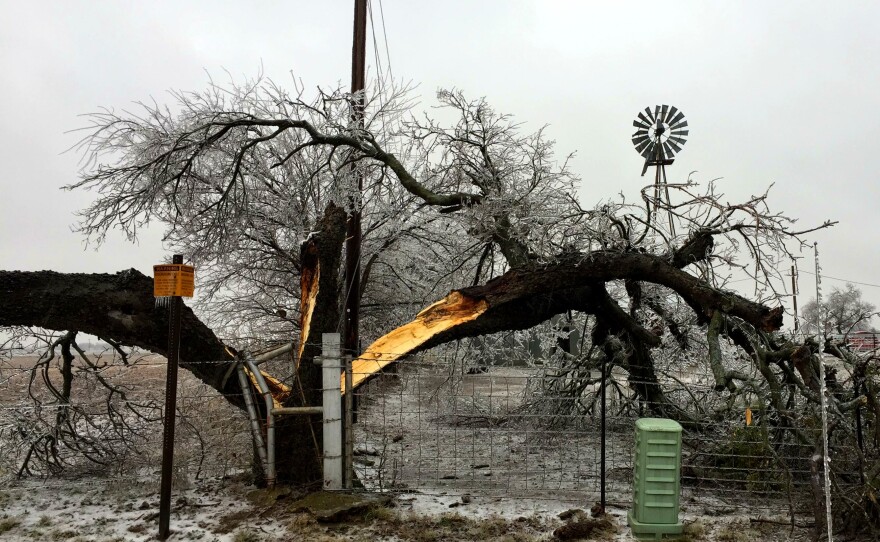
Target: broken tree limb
(453,310)
(119,307)
(524,297)
(309,280)
(718,372)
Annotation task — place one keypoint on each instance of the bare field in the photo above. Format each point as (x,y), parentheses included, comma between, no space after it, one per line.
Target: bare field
(211,436)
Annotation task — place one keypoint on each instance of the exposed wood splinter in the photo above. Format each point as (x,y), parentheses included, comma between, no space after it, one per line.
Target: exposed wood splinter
(453,310)
(310,280)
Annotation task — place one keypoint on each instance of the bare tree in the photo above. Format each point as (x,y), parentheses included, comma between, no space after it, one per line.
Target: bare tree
(59,425)
(253,182)
(842,312)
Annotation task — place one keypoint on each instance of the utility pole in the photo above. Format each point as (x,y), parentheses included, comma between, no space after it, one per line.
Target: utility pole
(794,293)
(353,225)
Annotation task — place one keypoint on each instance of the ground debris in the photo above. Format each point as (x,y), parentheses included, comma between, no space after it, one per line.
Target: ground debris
(366,449)
(572,513)
(333,507)
(585,528)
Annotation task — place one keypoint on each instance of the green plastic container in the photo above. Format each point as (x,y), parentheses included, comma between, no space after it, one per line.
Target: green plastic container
(657,480)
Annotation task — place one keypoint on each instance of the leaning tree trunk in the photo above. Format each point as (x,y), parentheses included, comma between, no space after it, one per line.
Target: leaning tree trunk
(525,297)
(121,308)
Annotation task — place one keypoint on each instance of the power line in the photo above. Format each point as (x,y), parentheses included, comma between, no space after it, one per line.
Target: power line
(842,280)
(385,36)
(379,71)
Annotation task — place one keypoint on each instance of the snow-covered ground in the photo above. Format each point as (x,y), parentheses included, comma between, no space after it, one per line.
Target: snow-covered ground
(456,453)
(123,511)
(228,511)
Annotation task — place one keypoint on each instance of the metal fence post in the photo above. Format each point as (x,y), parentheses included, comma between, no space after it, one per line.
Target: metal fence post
(332,402)
(348,406)
(603,413)
(256,432)
(170,411)
(270,419)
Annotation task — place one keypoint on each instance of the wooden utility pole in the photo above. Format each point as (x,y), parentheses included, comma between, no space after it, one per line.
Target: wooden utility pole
(353,225)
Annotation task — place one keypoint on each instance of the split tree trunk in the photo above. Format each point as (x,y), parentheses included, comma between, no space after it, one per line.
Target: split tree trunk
(299,437)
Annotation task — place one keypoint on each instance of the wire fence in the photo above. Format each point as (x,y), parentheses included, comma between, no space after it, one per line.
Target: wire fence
(111,427)
(434,423)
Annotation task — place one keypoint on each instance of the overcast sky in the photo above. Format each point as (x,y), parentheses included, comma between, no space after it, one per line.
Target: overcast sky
(775,92)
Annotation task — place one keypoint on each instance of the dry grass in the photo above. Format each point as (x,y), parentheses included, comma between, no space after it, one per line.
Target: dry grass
(381,523)
(694,531)
(584,528)
(450,527)
(7,524)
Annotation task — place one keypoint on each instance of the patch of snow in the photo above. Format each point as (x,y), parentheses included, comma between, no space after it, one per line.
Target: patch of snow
(111,511)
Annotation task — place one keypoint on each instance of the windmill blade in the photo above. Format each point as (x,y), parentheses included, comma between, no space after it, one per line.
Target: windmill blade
(663,112)
(678,140)
(669,152)
(680,132)
(676,118)
(648,151)
(644,118)
(638,138)
(672,111)
(639,143)
(671,142)
(650,115)
(641,146)
(640,133)
(639,124)
(657,113)
(680,125)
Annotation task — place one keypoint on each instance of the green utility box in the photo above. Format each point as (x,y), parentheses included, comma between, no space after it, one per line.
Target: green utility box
(657,481)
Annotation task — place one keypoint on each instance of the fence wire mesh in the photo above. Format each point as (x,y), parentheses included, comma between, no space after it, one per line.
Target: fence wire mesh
(434,423)
(110,428)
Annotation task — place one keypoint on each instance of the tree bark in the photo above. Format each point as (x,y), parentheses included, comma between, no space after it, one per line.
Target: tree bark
(299,437)
(120,307)
(525,297)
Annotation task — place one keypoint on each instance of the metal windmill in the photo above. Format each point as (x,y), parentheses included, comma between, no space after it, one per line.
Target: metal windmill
(660,134)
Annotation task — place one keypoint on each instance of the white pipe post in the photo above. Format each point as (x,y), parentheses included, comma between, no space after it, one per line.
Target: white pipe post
(331,363)
(270,420)
(257,433)
(272,354)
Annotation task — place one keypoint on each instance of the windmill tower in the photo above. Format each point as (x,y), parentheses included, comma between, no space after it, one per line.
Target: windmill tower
(660,134)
